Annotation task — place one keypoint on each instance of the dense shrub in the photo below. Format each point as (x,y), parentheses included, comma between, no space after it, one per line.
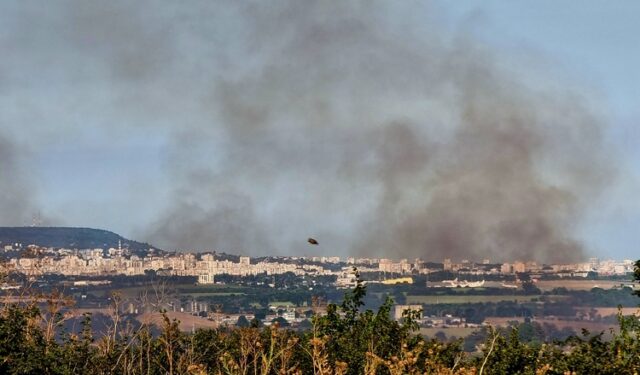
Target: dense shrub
(347,340)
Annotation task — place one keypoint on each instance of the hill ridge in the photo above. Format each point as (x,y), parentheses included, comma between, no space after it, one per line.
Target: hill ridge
(68,237)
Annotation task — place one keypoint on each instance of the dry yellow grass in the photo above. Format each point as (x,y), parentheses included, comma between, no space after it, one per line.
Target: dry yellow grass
(188,322)
(576,325)
(610,311)
(547,285)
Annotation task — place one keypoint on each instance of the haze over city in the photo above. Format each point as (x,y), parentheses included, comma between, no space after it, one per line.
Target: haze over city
(382,129)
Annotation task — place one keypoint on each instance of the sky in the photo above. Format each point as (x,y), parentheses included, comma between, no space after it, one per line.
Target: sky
(477,129)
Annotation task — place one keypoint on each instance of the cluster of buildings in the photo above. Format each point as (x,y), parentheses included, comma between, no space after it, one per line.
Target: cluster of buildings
(445,321)
(206,266)
(580,269)
(279,312)
(290,314)
(99,262)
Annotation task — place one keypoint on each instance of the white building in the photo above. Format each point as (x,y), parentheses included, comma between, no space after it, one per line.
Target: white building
(206,278)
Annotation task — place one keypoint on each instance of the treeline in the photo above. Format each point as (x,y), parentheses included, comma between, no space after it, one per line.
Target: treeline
(347,340)
(543,306)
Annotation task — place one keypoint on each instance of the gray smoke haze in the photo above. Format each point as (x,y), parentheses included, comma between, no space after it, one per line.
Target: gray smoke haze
(15,192)
(362,124)
(18,188)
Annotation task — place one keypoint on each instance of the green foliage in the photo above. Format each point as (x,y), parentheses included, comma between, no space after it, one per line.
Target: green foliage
(347,340)
(21,344)
(355,336)
(243,322)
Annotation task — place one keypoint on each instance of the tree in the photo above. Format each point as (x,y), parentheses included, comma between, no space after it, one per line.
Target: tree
(243,321)
(280,321)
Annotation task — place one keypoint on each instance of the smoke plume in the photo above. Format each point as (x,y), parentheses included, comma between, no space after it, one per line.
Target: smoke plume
(352,126)
(370,126)
(349,126)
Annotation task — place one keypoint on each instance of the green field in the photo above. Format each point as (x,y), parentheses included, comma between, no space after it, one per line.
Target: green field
(211,291)
(459,299)
(457,332)
(188,290)
(212,294)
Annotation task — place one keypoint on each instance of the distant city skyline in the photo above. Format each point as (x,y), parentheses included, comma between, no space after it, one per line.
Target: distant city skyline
(249,128)
(206,266)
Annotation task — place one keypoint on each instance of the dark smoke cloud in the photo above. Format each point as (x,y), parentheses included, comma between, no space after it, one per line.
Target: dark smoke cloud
(367,125)
(390,144)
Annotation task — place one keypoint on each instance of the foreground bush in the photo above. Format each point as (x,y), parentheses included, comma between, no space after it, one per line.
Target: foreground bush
(346,340)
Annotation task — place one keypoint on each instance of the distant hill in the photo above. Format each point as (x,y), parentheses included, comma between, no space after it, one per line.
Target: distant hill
(65,237)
